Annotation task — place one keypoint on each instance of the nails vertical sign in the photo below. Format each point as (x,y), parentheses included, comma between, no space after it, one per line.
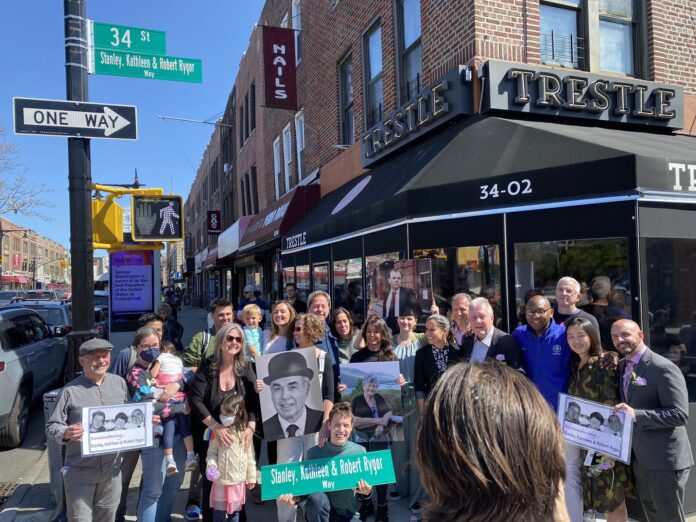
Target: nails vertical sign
(279,68)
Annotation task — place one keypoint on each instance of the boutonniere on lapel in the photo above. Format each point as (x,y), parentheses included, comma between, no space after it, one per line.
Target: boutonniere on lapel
(500,358)
(638,381)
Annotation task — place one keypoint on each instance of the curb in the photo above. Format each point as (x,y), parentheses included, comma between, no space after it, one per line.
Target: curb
(11,509)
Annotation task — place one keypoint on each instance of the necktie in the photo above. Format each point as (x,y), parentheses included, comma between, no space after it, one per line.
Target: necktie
(627,376)
(292,429)
(392,306)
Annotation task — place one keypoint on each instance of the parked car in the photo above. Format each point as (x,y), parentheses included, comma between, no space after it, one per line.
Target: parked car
(101,300)
(10,296)
(41,295)
(60,314)
(32,361)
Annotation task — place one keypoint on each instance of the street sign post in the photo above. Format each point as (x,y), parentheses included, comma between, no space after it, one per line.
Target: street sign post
(157,218)
(75,119)
(150,66)
(126,38)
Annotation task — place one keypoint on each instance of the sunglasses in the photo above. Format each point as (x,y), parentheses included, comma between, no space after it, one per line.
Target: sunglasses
(233,338)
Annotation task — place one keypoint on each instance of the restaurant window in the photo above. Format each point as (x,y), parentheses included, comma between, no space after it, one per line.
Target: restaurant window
(374,97)
(601,267)
(287,155)
(288,276)
(617,27)
(320,277)
(348,288)
(302,281)
(300,142)
(276,165)
(254,190)
(474,270)
(345,74)
(297,26)
(560,43)
(252,106)
(671,301)
(410,48)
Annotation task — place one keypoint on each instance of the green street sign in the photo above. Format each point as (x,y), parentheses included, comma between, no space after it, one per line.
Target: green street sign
(332,474)
(124,38)
(150,66)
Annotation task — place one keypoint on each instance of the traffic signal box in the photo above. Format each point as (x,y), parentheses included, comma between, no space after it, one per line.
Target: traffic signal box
(157,218)
(107,222)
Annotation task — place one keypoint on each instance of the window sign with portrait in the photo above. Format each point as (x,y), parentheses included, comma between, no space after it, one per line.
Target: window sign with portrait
(348,288)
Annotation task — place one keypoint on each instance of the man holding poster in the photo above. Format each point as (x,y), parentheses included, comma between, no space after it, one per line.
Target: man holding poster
(92,483)
(334,506)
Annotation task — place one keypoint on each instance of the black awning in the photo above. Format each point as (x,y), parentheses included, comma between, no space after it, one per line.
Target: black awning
(489,162)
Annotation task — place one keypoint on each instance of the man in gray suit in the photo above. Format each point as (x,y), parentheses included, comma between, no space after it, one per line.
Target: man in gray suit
(654,393)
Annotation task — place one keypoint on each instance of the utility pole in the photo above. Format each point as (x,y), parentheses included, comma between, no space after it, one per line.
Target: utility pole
(79,186)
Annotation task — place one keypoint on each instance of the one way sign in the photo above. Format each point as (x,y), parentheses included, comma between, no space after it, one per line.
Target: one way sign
(75,119)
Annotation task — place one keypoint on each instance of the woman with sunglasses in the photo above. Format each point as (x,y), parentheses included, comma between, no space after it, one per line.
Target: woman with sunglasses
(226,373)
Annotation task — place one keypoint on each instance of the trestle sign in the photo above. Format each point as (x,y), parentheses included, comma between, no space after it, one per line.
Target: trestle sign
(75,119)
(577,94)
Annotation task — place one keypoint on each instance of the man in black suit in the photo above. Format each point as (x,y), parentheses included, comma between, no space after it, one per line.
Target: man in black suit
(489,342)
(399,298)
(289,380)
(654,395)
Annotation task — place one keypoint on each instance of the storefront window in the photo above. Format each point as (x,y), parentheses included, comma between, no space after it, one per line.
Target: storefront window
(672,303)
(348,288)
(372,280)
(288,274)
(321,277)
(302,281)
(600,265)
(474,270)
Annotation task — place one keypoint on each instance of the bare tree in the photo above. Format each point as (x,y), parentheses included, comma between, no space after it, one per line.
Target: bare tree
(16,193)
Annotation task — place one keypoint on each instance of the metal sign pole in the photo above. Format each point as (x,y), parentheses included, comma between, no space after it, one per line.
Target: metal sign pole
(79,186)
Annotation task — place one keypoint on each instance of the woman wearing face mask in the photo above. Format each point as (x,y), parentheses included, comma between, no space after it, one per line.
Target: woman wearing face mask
(226,373)
(142,389)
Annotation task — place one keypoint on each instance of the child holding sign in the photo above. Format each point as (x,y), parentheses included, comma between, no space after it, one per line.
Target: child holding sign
(230,468)
(334,506)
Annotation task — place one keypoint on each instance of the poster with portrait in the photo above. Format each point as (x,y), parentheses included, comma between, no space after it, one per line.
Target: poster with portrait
(111,429)
(375,400)
(399,287)
(593,426)
(291,400)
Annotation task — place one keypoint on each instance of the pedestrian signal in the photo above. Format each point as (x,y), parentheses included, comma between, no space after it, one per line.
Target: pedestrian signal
(157,218)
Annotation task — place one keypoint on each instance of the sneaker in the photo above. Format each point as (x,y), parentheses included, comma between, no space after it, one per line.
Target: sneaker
(416,508)
(191,463)
(171,468)
(193,512)
(393,495)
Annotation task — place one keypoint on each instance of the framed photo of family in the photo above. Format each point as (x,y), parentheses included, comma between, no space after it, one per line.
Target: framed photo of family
(595,427)
(111,429)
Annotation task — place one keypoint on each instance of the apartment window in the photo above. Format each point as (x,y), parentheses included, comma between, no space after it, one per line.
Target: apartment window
(287,155)
(241,127)
(276,165)
(617,26)
(284,21)
(297,26)
(410,48)
(246,115)
(345,73)
(252,105)
(373,76)
(254,190)
(300,142)
(247,182)
(559,33)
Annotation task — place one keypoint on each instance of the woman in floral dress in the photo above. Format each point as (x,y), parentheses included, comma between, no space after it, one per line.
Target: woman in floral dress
(606,482)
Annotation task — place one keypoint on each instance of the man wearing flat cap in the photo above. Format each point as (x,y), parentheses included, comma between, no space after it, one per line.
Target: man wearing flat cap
(289,379)
(92,483)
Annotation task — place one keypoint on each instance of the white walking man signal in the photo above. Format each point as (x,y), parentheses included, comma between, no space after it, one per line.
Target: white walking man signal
(166,214)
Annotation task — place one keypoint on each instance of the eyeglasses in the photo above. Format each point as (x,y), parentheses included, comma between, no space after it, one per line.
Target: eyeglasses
(142,347)
(298,328)
(233,338)
(540,311)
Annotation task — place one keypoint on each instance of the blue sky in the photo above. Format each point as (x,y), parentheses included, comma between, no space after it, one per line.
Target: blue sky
(166,154)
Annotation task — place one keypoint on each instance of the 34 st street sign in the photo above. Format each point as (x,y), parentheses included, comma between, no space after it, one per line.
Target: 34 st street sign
(75,119)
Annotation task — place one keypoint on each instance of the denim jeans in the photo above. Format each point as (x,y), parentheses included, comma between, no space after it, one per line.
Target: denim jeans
(158,491)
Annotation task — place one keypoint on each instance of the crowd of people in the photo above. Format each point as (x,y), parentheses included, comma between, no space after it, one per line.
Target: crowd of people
(483,441)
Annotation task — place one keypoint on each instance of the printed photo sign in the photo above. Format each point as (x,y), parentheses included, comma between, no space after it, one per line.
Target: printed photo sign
(111,429)
(593,426)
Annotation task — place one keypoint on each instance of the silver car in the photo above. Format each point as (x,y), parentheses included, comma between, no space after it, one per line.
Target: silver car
(32,361)
(10,296)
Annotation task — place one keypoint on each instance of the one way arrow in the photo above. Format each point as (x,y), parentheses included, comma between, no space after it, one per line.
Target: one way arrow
(108,121)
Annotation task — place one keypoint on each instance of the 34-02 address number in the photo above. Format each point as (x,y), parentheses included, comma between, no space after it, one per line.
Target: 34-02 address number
(514,188)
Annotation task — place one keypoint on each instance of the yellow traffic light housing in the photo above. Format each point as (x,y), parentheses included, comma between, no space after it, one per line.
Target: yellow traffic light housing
(107,222)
